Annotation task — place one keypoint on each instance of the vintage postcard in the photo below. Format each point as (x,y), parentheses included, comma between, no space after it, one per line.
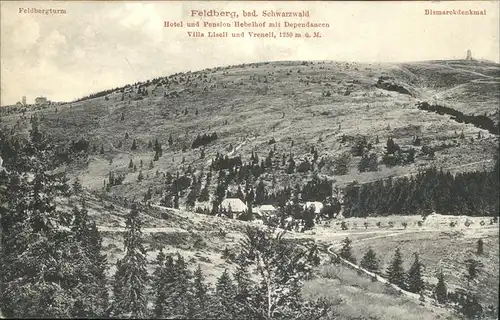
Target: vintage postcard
(249,159)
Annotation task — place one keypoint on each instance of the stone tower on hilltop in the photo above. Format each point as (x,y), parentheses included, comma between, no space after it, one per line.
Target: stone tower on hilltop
(469,55)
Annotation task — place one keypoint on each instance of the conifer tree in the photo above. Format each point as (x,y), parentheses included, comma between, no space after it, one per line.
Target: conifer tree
(440,291)
(180,294)
(346,251)
(204,195)
(260,193)
(395,272)
(415,283)
(191,197)
(225,292)
(473,267)
(201,298)
(39,256)
(480,247)
(369,261)
(291,166)
(243,283)
(158,285)
(158,150)
(131,298)
(77,186)
(134,145)
(163,286)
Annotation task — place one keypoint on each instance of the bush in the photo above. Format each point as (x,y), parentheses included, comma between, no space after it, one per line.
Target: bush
(341,164)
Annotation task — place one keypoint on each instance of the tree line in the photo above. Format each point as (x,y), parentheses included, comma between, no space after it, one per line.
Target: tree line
(433,190)
(481,121)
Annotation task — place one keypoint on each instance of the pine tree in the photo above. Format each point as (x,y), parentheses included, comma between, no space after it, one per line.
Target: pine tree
(158,150)
(415,283)
(92,300)
(225,292)
(191,197)
(411,156)
(43,267)
(440,291)
(480,246)
(260,193)
(77,186)
(346,251)
(201,298)
(369,261)
(291,165)
(163,285)
(395,272)
(102,150)
(473,268)
(134,145)
(131,298)
(180,294)
(204,195)
(158,285)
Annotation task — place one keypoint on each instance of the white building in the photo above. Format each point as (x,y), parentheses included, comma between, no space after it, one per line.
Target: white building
(233,205)
(266,210)
(318,206)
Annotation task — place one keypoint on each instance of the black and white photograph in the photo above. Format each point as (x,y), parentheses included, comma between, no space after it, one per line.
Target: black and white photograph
(249,160)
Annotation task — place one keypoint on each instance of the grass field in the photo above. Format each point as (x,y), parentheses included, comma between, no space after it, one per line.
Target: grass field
(249,105)
(300,105)
(357,297)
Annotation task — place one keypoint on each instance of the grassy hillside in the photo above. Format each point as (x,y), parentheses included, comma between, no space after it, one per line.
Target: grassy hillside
(287,107)
(320,104)
(202,240)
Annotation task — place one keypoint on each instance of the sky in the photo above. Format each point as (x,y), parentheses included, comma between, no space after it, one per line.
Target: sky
(96,46)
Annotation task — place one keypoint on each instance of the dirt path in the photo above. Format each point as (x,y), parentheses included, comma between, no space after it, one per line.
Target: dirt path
(331,250)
